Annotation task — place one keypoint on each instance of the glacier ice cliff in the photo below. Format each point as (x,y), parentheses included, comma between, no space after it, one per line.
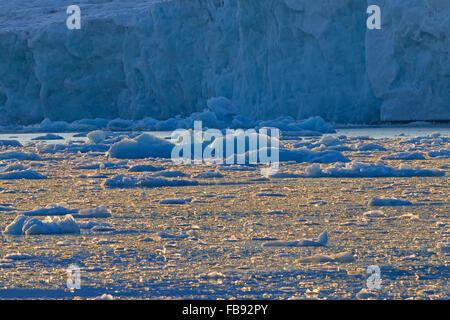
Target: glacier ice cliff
(271,58)
(408,60)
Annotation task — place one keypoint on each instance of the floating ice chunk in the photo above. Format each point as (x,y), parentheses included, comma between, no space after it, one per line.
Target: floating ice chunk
(444,153)
(15,155)
(14,167)
(18,256)
(212,275)
(22,174)
(165,235)
(443,248)
(145,168)
(369,147)
(98,212)
(321,240)
(126,181)
(343,257)
(54,209)
(379,202)
(175,201)
(374,214)
(284,123)
(303,155)
(10,143)
(71,147)
(282,175)
(366,294)
(329,140)
(209,175)
(270,194)
(405,156)
(408,216)
(297,155)
(93,224)
(362,170)
(24,225)
(143,146)
(49,136)
(96,136)
(171,174)
(104,296)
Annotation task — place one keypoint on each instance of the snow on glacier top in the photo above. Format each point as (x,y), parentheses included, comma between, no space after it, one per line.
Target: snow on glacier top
(27,15)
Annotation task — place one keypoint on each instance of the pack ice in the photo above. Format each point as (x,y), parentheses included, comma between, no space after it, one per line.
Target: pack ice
(298,58)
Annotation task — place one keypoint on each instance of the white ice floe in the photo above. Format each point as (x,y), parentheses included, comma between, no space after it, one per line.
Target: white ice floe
(143,146)
(366,294)
(10,143)
(405,156)
(171,174)
(48,136)
(283,175)
(24,225)
(16,155)
(444,153)
(22,174)
(175,201)
(379,202)
(329,141)
(321,240)
(54,209)
(374,214)
(363,170)
(145,168)
(72,147)
(14,167)
(209,175)
(60,209)
(98,212)
(165,235)
(443,248)
(149,181)
(95,226)
(18,256)
(287,123)
(343,257)
(304,155)
(369,147)
(104,296)
(96,136)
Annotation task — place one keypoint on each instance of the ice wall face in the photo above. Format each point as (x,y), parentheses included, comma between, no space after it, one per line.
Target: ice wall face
(408,60)
(269,57)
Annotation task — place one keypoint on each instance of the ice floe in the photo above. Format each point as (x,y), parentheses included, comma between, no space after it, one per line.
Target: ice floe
(363,170)
(378,202)
(22,174)
(48,136)
(149,181)
(16,155)
(24,225)
(342,257)
(143,146)
(374,214)
(321,240)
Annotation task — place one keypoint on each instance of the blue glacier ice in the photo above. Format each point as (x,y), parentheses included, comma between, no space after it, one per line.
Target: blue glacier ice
(270,58)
